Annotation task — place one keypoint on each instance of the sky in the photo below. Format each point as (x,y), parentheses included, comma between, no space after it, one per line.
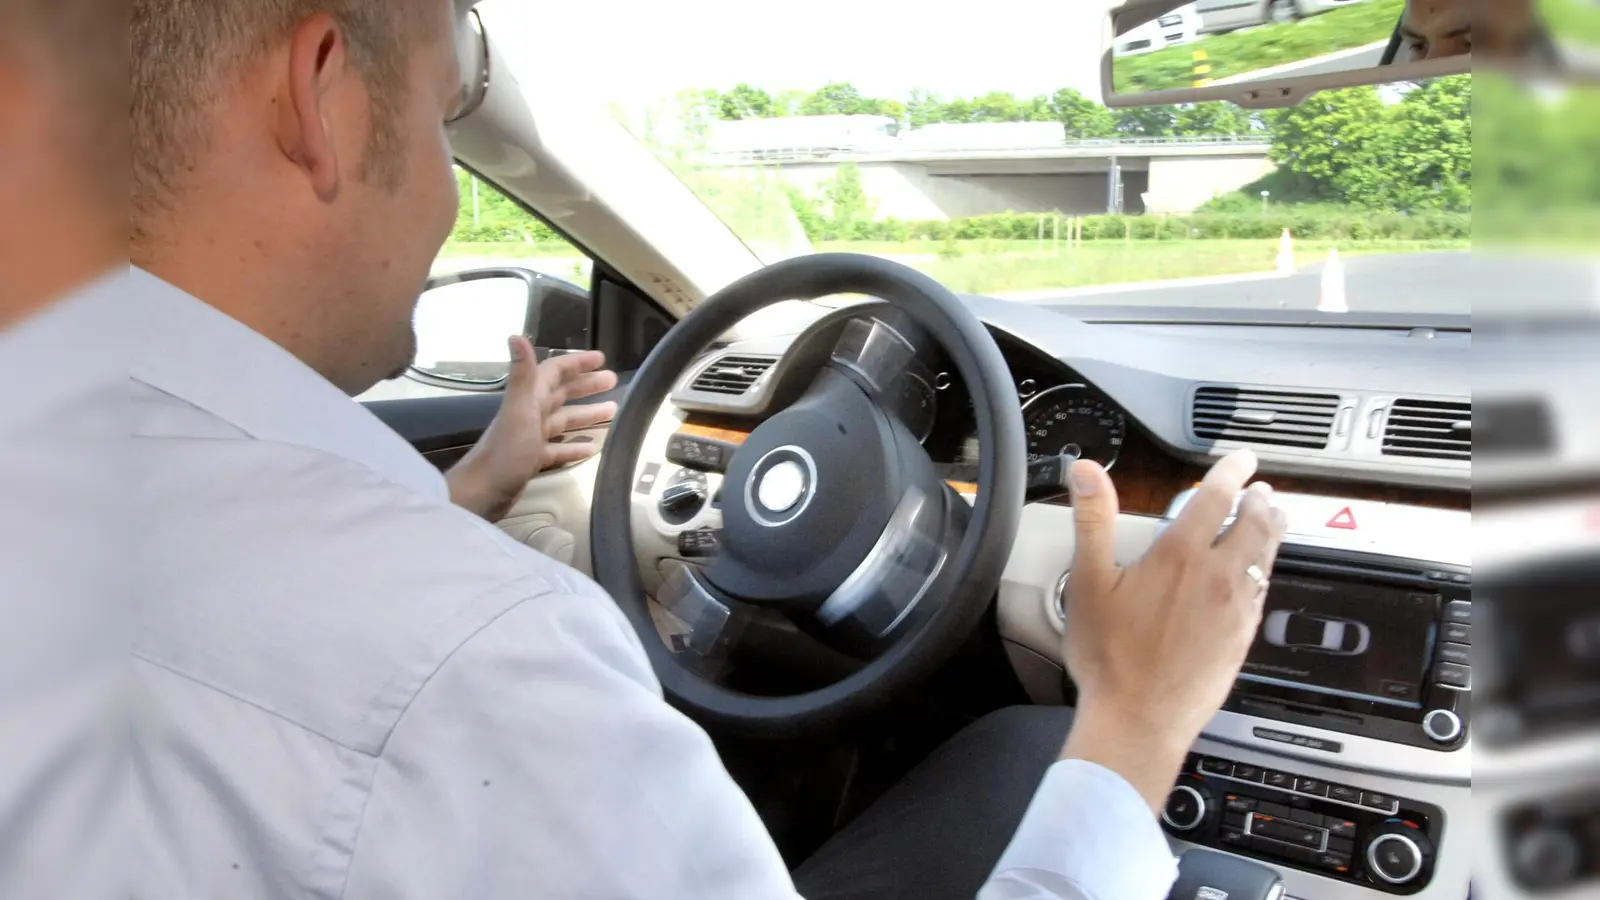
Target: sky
(634,51)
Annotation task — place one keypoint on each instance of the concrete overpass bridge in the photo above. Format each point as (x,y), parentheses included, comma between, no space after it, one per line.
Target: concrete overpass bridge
(1077,177)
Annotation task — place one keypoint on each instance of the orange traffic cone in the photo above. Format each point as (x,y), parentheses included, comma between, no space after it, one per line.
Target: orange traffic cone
(1331,298)
(1286,253)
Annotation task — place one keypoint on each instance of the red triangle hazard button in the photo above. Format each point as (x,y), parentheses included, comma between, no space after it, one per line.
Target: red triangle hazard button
(1345,520)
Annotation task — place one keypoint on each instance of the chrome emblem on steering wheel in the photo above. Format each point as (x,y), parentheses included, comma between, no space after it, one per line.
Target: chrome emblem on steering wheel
(781,486)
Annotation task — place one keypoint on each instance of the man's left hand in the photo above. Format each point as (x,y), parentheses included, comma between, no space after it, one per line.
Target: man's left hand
(519,443)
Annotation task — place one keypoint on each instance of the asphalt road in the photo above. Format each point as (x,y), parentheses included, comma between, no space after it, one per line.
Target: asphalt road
(1452,283)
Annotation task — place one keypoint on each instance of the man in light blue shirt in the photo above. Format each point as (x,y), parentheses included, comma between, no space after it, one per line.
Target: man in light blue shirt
(349,686)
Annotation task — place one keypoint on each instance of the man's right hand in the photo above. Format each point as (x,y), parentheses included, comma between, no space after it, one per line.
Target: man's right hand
(1155,647)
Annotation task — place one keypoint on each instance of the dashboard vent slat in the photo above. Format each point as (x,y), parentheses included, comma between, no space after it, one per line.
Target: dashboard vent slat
(732,375)
(1429,429)
(1259,416)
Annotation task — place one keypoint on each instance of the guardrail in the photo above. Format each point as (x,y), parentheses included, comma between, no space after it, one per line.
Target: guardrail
(845,149)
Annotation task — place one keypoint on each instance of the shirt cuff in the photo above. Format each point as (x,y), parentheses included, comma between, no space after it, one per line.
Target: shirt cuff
(1087,833)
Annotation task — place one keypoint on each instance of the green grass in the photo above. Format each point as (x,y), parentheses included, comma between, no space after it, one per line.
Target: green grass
(1269,45)
(1000,266)
(1115,262)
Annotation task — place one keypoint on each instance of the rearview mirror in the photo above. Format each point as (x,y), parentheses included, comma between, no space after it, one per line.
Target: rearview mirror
(1267,53)
(463,319)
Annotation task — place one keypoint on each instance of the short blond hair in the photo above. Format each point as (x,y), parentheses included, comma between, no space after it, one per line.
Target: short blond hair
(186,52)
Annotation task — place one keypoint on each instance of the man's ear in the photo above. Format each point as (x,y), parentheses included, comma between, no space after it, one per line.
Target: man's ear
(308,119)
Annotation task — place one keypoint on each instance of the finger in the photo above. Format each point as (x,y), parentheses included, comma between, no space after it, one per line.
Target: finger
(1245,543)
(1203,515)
(523,379)
(567,366)
(1094,513)
(581,415)
(567,453)
(589,384)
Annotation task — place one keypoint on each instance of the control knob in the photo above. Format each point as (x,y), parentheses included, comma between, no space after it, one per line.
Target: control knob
(1190,805)
(1546,857)
(1398,852)
(1441,726)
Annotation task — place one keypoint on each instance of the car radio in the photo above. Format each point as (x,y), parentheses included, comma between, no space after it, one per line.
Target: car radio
(1375,840)
(1363,644)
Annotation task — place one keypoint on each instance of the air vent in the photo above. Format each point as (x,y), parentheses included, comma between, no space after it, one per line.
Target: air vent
(1429,429)
(732,375)
(1274,418)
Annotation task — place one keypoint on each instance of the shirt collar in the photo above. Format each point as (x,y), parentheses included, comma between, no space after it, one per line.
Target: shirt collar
(64,353)
(205,357)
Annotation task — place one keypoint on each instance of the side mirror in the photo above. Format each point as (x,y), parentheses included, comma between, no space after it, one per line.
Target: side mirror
(463,319)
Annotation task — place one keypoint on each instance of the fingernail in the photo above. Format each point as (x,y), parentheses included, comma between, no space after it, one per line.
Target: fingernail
(1084,479)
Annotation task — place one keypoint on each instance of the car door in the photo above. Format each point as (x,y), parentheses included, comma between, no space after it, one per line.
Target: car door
(504,271)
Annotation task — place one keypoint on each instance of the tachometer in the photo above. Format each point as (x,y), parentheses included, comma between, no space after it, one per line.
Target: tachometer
(1074,421)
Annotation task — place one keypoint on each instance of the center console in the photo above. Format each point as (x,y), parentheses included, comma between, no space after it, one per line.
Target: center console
(1341,757)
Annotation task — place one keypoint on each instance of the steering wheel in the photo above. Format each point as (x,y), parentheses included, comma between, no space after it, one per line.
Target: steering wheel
(833,513)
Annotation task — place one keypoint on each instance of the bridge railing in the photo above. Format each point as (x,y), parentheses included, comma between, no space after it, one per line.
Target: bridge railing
(847,149)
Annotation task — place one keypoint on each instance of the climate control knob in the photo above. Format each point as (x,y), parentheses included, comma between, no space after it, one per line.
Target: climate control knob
(1546,857)
(1398,853)
(1189,805)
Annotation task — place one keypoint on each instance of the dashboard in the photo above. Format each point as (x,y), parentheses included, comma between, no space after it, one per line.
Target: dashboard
(1137,412)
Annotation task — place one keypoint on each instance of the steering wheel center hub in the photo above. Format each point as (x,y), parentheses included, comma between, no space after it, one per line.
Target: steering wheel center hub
(781,486)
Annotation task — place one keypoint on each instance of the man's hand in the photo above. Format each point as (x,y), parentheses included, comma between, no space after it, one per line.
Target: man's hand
(1155,647)
(517,444)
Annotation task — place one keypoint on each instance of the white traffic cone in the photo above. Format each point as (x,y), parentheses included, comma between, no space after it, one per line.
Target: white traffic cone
(1286,253)
(1331,298)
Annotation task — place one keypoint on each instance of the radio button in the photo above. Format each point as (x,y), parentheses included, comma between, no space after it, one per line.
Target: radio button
(1287,832)
(1341,845)
(1344,794)
(1456,633)
(1454,653)
(1275,810)
(1306,817)
(1458,611)
(1336,862)
(1442,725)
(1279,780)
(1380,802)
(1316,787)
(1453,675)
(1246,772)
(1239,803)
(1213,766)
(1339,829)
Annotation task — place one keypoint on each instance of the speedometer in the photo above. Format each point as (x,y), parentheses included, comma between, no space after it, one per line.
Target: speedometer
(1076,422)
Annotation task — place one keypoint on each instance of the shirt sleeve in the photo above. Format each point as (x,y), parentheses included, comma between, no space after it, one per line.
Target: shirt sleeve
(1087,835)
(541,761)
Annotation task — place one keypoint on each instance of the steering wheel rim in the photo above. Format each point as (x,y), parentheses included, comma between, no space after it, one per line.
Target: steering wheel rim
(959,602)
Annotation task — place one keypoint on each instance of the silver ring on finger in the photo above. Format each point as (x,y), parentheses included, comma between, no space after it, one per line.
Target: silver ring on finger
(1259,577)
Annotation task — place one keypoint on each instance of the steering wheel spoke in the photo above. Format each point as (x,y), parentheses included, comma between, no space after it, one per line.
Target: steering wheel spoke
(698,624)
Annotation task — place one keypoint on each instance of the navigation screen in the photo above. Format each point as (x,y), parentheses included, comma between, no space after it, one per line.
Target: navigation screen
(1344,637)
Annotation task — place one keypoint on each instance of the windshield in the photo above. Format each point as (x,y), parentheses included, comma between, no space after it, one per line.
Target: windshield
(983,156)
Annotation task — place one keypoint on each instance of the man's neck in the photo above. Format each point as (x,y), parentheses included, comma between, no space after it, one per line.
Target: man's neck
(279,310)
(31,282)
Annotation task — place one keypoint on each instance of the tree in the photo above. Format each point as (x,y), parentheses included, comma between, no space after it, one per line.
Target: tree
(1325,141)
(957,111)
(1038,110)
(1206,119)
(1145,121)
(996,106)
(835,98)
(746,102)
(848,206)
(787,102)
(892,108)
(1421,157)
(923,107)
(1080,116)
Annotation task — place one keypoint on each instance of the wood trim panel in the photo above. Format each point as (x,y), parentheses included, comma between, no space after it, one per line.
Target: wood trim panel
(1147,478)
